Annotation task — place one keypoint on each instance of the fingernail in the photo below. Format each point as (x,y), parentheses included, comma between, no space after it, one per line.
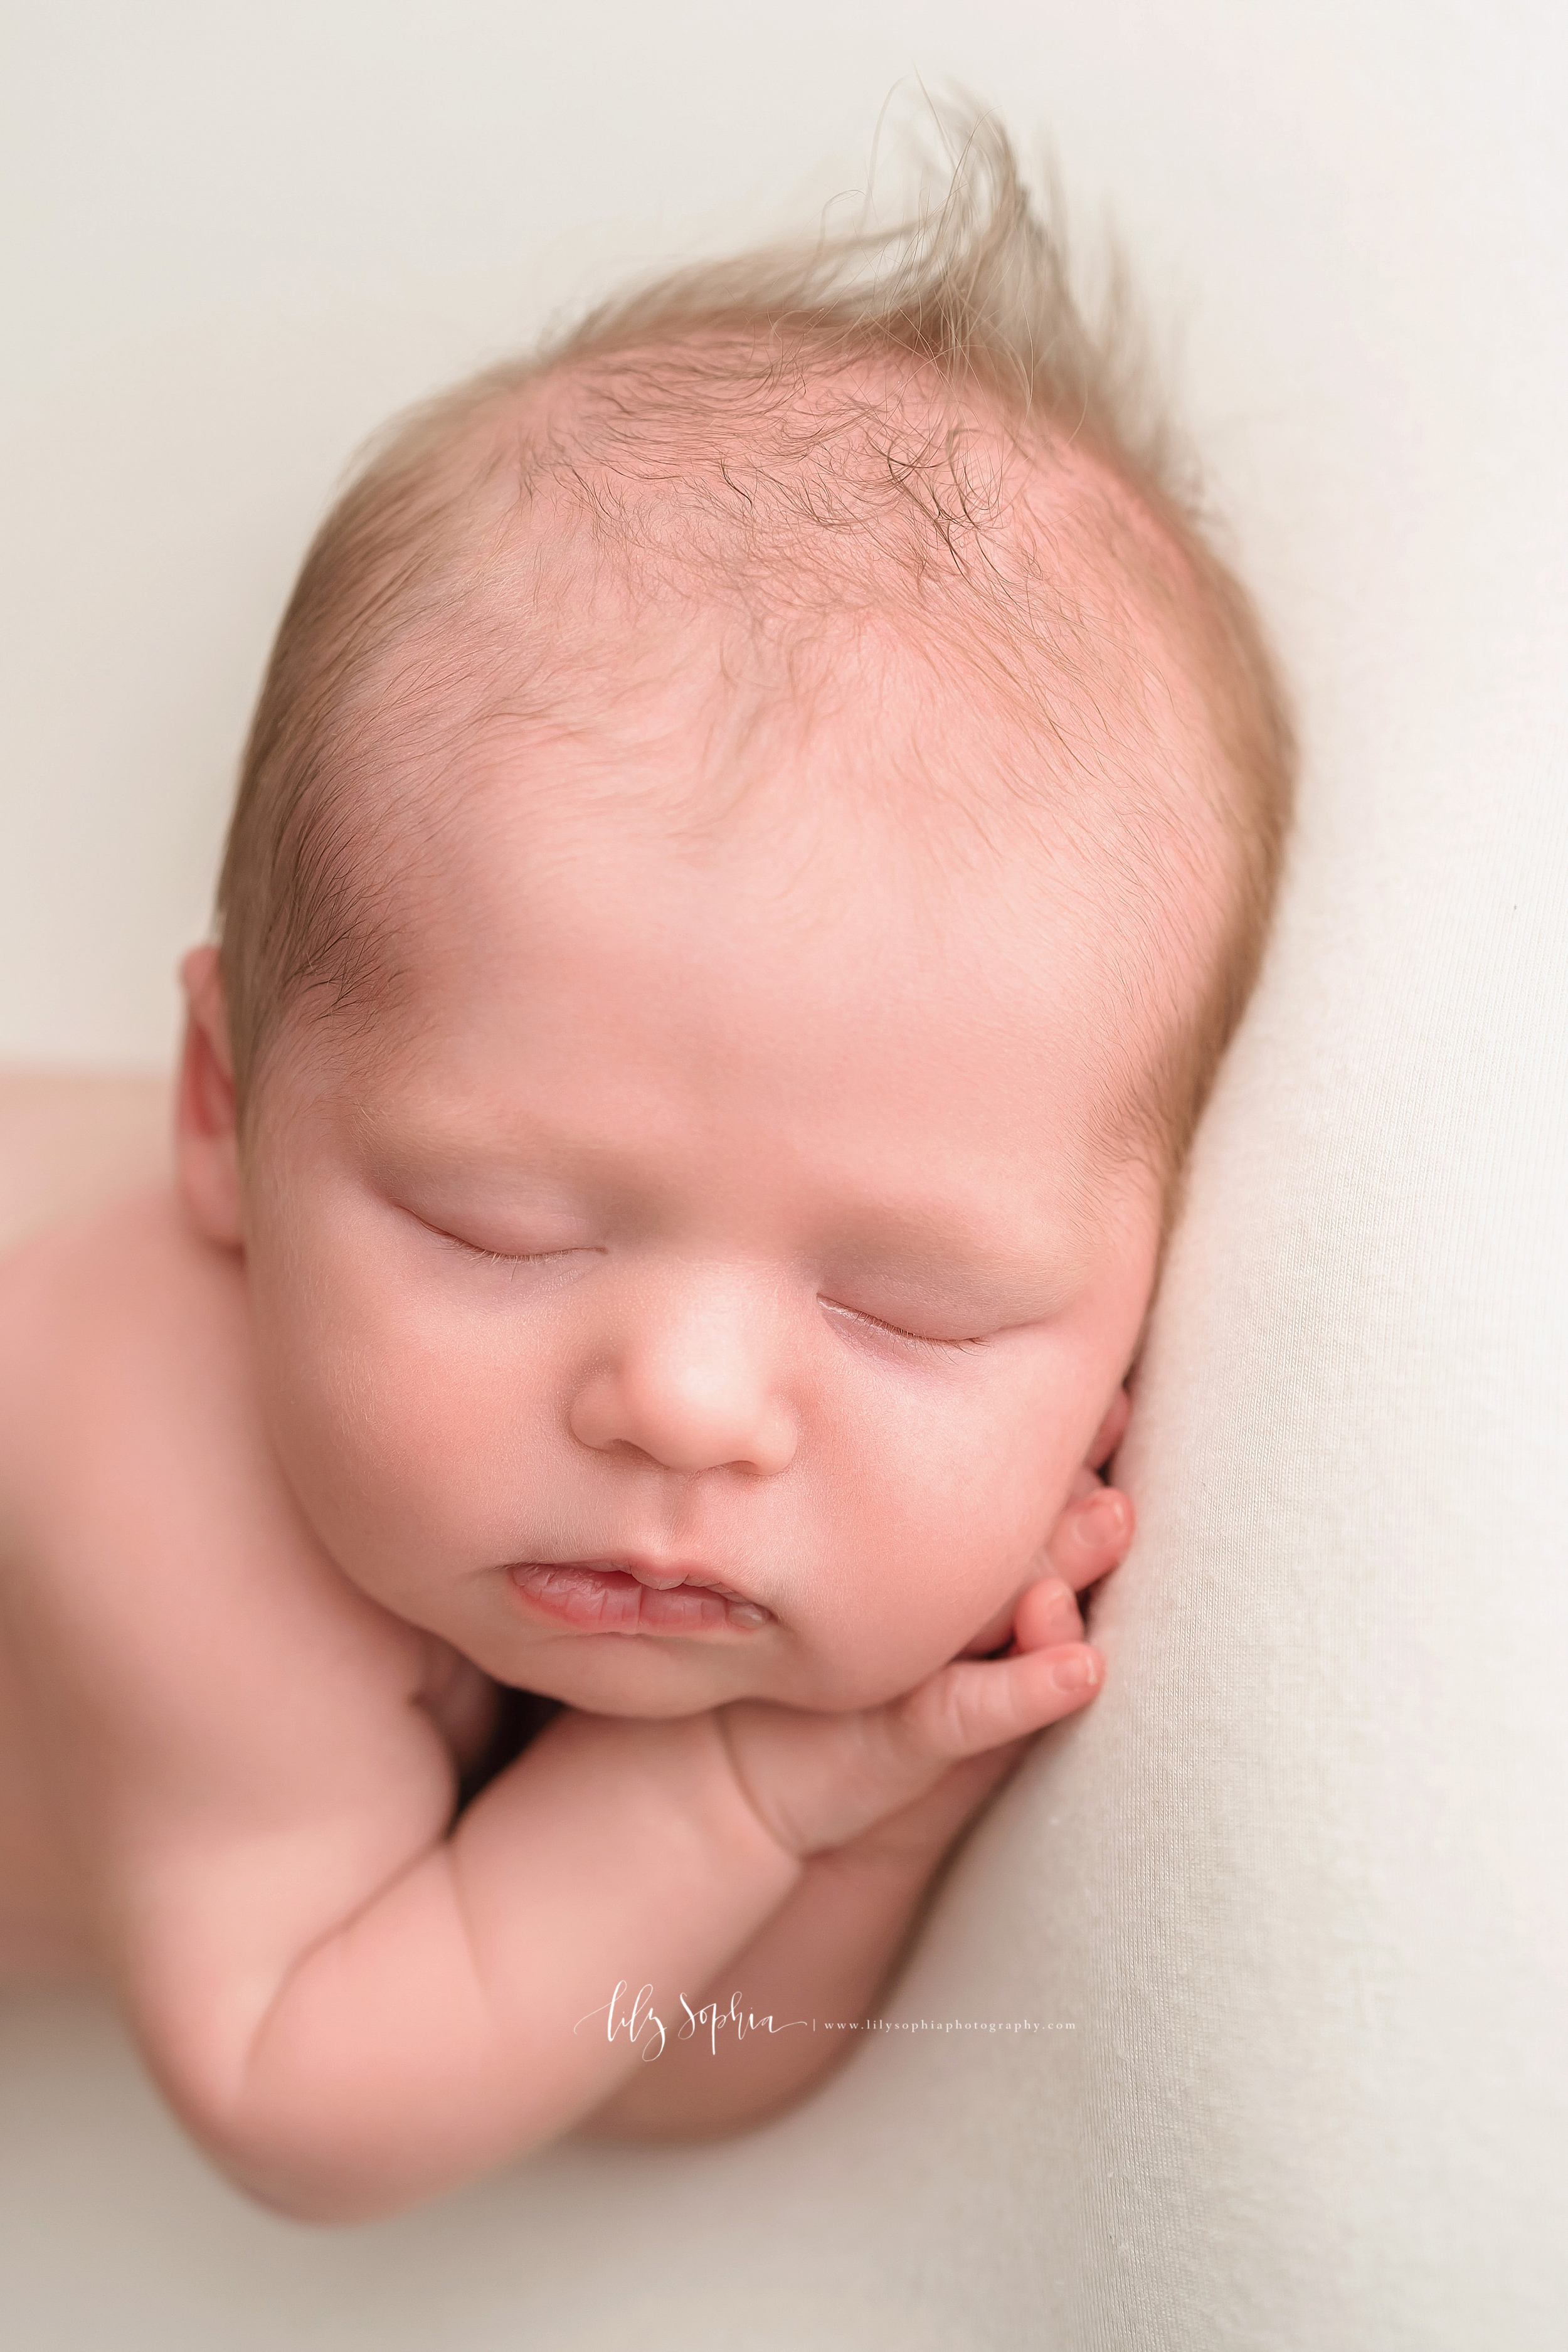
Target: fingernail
(1102,1520)
(1076,1672)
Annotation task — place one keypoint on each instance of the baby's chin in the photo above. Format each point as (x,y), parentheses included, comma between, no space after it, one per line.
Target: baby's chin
(661,1677)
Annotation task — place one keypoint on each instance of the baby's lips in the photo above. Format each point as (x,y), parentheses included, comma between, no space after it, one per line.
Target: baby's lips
(608,1596)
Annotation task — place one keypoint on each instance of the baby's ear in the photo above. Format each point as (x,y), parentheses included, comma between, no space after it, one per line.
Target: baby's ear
(1111,1430)
(207,1133)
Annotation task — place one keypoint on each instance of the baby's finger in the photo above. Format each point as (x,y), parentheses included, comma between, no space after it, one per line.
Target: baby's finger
(969,1707)
(1048,1615)
(1091,1537)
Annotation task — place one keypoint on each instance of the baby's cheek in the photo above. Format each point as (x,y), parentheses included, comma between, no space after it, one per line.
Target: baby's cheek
(392,1444)
(951,1520)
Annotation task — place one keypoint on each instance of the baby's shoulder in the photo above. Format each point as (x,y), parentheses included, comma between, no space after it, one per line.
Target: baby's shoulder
(72,1141)
(110,1324)
(140,1500)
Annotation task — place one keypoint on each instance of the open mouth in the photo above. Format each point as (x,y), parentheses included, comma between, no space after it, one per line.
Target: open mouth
(605,1596)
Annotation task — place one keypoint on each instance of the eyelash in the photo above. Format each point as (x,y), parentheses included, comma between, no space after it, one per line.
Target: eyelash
(897,1331)
(502,1257)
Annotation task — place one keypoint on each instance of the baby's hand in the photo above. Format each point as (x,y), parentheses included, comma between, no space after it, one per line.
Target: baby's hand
(922,1763)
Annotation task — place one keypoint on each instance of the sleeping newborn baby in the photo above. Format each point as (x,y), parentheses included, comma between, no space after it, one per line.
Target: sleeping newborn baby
(758,826)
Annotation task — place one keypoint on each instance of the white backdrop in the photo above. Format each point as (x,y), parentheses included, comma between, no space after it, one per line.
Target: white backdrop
(1300,1878)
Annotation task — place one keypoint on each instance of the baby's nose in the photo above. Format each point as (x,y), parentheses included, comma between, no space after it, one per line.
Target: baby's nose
(693,1388)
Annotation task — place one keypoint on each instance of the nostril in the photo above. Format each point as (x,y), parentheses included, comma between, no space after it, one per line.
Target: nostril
(682,1425)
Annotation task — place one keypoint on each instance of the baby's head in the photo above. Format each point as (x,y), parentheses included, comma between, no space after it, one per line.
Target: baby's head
(757,830)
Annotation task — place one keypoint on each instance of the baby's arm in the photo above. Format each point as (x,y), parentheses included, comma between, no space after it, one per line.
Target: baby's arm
(419,2029)
(354,2011)
(431,2031)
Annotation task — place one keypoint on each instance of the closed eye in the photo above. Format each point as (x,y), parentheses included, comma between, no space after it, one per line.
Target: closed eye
(503,1257)
(517,1257)
(897,1331)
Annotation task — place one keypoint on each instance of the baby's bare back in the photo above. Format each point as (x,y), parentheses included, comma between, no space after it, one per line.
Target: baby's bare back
(67,1144)
(43,1908)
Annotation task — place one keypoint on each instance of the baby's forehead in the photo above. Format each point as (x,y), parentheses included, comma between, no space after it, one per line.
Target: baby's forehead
(848,852)
(824,964)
